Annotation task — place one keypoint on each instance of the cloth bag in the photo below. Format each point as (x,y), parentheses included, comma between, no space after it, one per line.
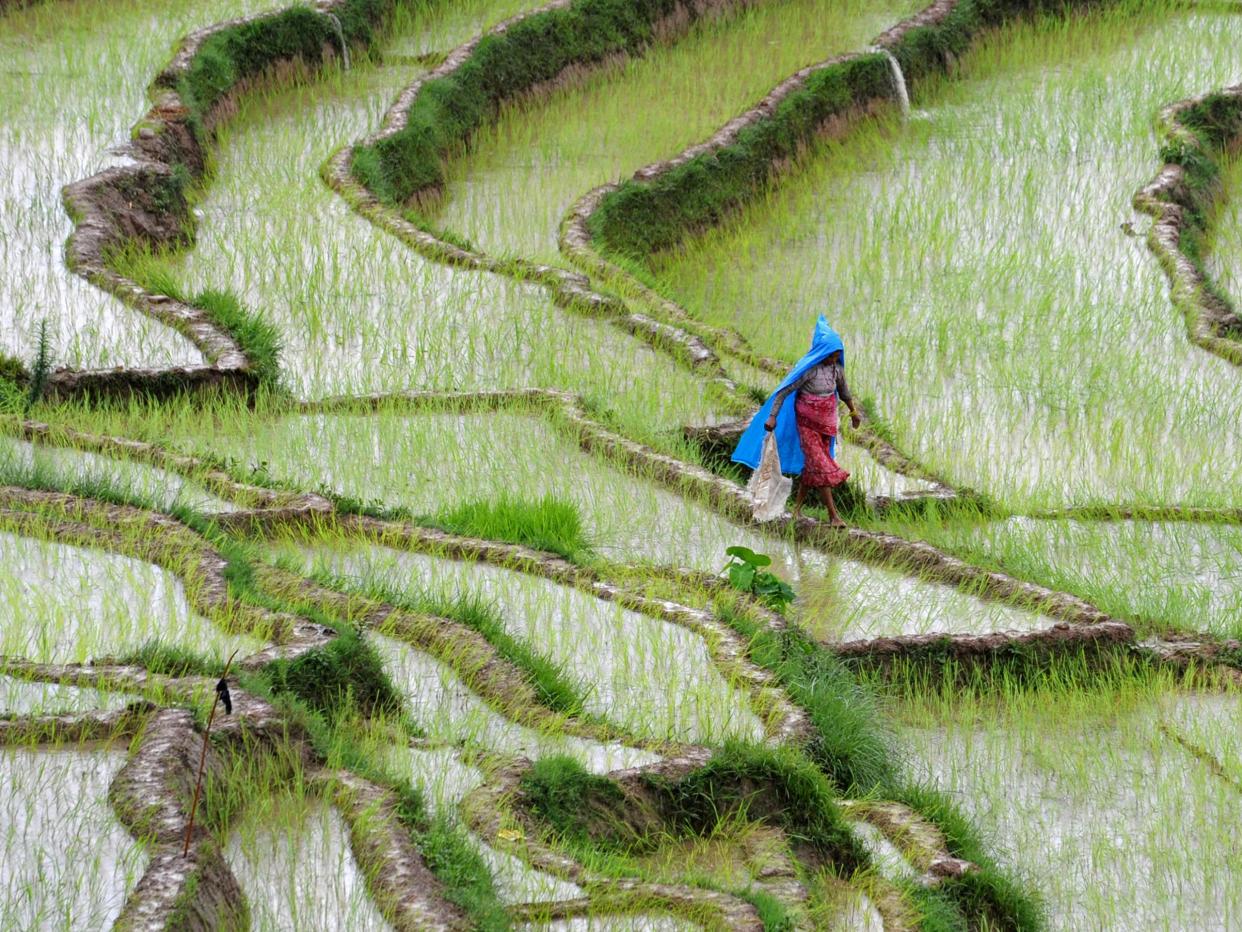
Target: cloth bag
(768,488)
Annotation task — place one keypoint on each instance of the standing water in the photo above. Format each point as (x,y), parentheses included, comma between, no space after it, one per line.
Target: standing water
(340,37)
(899,79)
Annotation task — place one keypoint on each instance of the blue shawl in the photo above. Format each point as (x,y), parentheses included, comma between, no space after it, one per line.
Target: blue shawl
(824,343)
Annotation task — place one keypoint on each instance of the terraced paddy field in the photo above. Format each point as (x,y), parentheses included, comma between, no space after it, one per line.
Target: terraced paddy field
(74,81)
(373,556)
(522,173)
(1022,302)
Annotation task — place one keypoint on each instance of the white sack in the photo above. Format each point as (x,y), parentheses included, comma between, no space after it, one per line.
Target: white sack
(768,489)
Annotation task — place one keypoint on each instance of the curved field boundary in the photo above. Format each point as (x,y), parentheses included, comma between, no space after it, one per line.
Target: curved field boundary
(497,805)
(602,905)
(919,840)
(144,203)
(665,201)
(409,894)
(1181,198)
(78,728)
(489,811)
(567,412)
(728,650)
(1189,514)
(149,796)
(169,544)
(502,685)
(157,539)
(211,476)
(439,111)
(402,162)
(1056,639)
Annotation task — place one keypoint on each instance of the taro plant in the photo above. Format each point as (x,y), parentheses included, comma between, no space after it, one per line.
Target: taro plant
(746,573)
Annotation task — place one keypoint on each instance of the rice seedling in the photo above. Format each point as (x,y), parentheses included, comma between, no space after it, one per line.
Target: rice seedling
(649,678)
(69,604)
(1013,334)
(24,697)
(66,860)
(625,517)
(435,465)
(446,710)
(432,465)
(1163,576)
(66,466)
(444,780)
(1087,797)
(510,191)
(290,853)
(357,310)
(605,923)
(74,81)
(1011,285)
(848,600)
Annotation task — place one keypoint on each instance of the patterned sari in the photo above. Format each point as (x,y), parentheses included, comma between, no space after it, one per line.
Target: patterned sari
(817,425)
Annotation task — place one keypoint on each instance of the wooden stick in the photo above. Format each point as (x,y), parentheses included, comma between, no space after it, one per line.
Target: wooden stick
(202,760)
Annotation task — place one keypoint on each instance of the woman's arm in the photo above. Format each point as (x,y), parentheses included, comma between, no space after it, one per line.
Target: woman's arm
(843,392)
(779,400)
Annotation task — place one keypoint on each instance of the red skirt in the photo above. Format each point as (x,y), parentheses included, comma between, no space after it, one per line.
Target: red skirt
(817,425)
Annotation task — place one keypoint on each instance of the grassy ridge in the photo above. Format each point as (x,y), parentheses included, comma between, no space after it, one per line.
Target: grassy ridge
(854,749)
(245,50)
(536,49)
(643,217)
(1214,125)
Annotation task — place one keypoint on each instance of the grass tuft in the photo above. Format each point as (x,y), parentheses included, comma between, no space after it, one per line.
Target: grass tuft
(345,673)
(579,806)
(852,745)
(258,338)
(549,523)
(158,656)
(464,874)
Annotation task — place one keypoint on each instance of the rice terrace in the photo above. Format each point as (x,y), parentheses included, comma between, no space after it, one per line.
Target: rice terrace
(621,465)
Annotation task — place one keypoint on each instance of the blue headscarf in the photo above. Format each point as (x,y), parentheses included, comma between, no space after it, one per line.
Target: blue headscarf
(824,343)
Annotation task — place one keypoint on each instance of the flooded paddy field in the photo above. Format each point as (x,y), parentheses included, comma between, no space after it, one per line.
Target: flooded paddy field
(437,464)
(1166,575)
(509,194)
(357,310)
(1224,259)
(1098,799)
(66,861)
(74,82)
(292,859)
(68,604)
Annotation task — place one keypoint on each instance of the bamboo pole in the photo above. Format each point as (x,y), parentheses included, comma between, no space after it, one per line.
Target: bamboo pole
(202,759)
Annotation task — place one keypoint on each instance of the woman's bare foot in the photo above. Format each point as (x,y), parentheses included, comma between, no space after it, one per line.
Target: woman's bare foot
(834,515)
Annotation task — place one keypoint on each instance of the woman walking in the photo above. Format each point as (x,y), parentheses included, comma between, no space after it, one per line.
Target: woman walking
(806,430)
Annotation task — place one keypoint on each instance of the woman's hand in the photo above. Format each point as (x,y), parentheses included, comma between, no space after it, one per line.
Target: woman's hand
(770,423)
(855,419)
